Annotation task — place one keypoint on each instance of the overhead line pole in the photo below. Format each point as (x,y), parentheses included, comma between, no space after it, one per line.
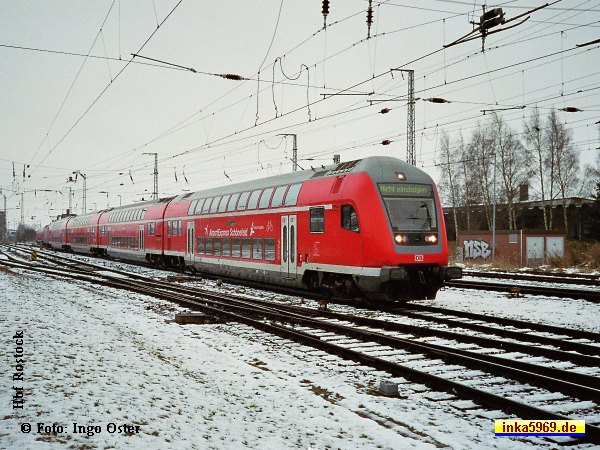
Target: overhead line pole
(410,117)
(294,150)
(155,191)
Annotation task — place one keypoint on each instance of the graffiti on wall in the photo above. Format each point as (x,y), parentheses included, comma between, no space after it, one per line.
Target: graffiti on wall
(475,249)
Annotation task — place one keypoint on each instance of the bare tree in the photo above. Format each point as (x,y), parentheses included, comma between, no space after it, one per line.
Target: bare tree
(534,140)
(512,164)
(450,160)
(482,152)
(565,158)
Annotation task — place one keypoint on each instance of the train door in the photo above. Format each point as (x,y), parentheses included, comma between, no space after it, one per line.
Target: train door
(142,238)
(189,252)
(289,234)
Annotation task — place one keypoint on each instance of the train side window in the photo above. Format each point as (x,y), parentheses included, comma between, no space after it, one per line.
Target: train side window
(317,220)
(232,202)
(208,249)
(253,201)
(226,247)
(277,199)
(224,202)
(192,207)
(265,198)
(257,250)
(201,245)
(151,228)
(206,206)
(235,247)
(269,249)
(292,195)
(349,218)
(217,247)
(246,251)
(215,205)
(168,228)
(199,205)
(241,205)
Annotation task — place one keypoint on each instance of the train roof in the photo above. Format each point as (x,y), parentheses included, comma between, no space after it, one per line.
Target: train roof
(380,168)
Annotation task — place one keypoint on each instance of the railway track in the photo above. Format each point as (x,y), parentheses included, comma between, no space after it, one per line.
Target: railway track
(563,278)
(400,349)
(581,293)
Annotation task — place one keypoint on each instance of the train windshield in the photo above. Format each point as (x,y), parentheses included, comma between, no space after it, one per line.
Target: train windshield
(411,214)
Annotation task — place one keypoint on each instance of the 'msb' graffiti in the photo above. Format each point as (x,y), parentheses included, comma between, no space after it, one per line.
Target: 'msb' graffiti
(477,249)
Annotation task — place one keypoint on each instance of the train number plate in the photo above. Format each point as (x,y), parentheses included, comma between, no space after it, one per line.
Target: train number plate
(418,257)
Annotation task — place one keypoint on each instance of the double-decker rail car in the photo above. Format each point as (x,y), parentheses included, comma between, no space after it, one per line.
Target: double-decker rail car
(82,233)
(57,234)
(123,231)
(372,227)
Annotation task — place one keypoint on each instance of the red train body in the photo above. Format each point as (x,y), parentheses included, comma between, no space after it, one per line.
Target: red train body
(371,227)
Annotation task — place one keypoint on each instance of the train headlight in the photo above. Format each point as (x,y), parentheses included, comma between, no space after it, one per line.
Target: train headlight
(400,238)
(431,238)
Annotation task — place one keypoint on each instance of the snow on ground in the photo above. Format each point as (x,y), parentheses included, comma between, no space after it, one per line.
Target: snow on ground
(98,357)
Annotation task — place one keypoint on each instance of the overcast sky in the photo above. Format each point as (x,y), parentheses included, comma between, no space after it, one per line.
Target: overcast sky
(74,99)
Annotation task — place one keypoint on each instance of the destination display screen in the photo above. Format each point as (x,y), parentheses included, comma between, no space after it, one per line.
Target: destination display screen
(405,190)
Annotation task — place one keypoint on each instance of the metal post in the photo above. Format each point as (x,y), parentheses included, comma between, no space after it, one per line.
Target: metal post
(294,150)
(84,192)
(22,208)
(410,117)
(70,200)
(155,192)
(494,215)
(410,120)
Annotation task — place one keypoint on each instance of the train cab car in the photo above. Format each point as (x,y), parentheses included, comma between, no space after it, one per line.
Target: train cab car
(370,227)
(82,232)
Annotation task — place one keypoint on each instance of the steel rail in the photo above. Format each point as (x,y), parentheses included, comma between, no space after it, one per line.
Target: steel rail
(485,398)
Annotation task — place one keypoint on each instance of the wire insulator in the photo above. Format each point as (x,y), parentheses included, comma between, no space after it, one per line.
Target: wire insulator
(325,11)
(369,19)
(386,142)
(385,110)
(570,109)
(436,100)
(232,76)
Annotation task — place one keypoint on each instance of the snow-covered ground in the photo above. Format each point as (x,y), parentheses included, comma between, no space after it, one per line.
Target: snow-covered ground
(98,357)
(562,312)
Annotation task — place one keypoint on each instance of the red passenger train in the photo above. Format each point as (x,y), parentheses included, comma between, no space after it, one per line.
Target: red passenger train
(371,227)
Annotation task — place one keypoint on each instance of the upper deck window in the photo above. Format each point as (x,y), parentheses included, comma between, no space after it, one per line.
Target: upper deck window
(232,202)
(192,207)
(265,198)
(292,195)
(199,205)
(224,202)
(253,201)
(241,205)
(277,199)
(206,206)
(215,205)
